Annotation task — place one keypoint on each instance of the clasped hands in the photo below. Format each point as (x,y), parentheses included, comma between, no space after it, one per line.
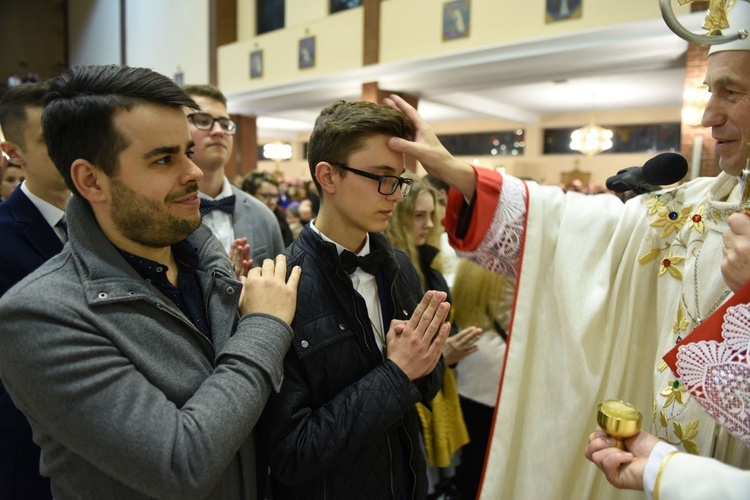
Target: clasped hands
(415,345)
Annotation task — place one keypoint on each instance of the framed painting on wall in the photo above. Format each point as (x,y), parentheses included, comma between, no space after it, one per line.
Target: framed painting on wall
(256,64)
(559,10)
(456,19)
(307,52)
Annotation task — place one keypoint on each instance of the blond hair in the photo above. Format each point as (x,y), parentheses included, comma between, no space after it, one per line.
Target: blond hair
(480,297)
(399,227)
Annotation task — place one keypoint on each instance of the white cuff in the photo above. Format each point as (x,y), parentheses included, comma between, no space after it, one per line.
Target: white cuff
(655,459)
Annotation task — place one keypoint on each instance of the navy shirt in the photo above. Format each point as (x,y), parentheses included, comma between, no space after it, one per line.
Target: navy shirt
(187,295)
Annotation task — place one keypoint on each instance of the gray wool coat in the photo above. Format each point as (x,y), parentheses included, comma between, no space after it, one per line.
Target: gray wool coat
(125,397)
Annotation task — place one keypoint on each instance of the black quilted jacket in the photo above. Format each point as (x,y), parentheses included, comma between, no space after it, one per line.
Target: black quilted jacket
(344,425)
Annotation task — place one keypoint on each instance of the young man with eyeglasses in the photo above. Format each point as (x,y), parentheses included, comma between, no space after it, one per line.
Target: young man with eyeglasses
(344,424)
(227,210)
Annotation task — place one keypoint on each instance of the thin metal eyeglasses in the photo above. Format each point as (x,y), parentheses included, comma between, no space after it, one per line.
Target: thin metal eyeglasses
(387,184)
(204,121)
(268,196)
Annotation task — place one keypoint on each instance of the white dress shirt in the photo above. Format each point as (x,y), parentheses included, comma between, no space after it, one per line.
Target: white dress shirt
(51,213)
(366,285)
(220,222)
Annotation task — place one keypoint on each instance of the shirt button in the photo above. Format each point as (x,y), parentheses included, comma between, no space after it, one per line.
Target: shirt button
(403,311)
(304,344)
(341,326)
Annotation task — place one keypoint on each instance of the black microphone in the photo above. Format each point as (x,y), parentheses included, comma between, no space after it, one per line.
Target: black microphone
(666,168)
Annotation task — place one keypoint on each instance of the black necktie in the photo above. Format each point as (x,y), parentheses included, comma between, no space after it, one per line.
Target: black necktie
(369,263)
(62,225)
(224,204)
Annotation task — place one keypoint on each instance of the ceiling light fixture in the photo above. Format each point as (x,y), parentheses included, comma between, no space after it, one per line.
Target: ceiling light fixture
(277,151)
(591,139)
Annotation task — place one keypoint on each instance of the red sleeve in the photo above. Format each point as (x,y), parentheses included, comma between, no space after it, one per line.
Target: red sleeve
(467,224)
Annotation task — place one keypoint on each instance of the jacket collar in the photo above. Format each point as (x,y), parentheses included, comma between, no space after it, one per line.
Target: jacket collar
(37,231)
(105,274)
(311,241)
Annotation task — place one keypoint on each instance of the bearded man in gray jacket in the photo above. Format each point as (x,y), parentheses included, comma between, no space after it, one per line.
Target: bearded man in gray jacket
(140,361)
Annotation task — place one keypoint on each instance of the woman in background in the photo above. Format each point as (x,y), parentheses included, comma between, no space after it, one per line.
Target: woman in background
(482,298)
(415,228)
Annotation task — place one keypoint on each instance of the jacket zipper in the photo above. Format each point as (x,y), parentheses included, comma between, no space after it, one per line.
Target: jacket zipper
(394,309)
(192,328)
(390,471)
(411,444)
(206,296)
(411,461)
(354,308)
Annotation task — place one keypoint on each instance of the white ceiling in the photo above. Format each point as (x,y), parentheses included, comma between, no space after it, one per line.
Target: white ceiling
(627,66)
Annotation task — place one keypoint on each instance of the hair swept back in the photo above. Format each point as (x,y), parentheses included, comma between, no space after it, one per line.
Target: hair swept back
(78,118)
(343,127)
(13,109)
(205,90)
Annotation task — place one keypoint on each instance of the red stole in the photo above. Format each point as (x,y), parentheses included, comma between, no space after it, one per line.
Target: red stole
(713,364)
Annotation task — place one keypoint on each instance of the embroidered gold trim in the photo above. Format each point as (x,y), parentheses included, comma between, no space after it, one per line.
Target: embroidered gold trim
(661,470)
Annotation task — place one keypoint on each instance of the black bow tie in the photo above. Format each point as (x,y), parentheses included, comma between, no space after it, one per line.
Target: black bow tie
(223,204)
(369,263)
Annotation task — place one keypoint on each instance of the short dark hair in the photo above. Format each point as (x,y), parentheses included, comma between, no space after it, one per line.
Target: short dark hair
(436,183)
(342,128)
(13,105)
(206,91)
(252,181)
(80,106)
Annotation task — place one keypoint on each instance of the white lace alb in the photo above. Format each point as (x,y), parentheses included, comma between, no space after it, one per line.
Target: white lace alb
(718,373)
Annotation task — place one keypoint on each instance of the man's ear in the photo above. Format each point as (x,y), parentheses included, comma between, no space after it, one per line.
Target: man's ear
(326,176)
(14,152)
(89,180)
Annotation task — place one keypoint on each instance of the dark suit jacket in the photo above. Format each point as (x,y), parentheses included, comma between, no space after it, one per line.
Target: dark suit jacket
(26,242)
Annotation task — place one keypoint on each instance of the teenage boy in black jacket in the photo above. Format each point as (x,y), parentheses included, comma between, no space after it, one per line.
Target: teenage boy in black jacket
(366,344)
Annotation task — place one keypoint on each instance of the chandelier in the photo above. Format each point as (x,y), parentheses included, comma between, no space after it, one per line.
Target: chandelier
(277,151)
(591,139)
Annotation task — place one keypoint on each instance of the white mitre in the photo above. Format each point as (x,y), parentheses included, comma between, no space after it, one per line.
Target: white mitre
(739,18)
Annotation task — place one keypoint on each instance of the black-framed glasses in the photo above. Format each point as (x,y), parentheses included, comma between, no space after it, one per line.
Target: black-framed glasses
(387,184)
(204,121)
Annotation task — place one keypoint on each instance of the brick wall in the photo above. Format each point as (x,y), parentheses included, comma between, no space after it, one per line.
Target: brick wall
(695,74)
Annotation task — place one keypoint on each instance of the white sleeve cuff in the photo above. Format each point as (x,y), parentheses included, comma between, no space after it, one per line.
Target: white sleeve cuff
(655,459)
